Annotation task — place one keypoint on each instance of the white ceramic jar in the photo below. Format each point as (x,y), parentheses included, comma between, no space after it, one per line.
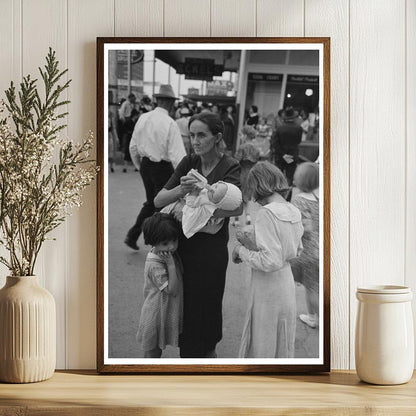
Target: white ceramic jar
(384,337)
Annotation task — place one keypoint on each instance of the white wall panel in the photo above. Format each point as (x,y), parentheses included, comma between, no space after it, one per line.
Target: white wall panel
(330,18)
(86,21)
(187,18)
(10,66)
(280,18)
(138,17)
(233,18)
(377,153)
(411,150)
(10,44)
(44,25)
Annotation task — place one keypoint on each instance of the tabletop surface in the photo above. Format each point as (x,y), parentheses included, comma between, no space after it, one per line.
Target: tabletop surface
(85,392)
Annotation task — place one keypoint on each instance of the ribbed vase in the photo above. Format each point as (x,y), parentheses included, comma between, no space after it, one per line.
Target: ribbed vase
(27,331)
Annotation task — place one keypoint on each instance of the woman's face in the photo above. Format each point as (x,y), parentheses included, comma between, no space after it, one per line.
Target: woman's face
(202,140)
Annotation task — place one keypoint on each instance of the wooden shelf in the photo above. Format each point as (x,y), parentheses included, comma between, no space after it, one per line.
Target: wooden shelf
(86,393)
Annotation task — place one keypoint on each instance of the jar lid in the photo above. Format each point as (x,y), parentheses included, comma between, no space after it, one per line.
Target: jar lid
(384,289)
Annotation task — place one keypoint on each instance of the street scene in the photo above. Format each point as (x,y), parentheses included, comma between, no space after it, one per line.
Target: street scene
(126,282)
(213,203)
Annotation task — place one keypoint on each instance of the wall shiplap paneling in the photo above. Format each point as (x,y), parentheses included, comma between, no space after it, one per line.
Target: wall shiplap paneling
(187,18)
(10,67)
(10,44)
(44,24)
(411,151)
(233,18)
(139,18)
(86,21)
(280,18)
(377,146)
(330,19)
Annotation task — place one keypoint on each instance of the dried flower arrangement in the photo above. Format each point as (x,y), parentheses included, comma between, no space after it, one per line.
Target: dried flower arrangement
(42,176)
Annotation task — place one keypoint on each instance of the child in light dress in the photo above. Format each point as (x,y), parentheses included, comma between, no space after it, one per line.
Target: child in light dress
(200,205)
(161,315)
(270,324)
(306,180)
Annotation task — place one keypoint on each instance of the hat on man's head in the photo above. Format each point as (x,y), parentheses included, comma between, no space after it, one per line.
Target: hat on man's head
(289,114)
(166,91)
(146,99)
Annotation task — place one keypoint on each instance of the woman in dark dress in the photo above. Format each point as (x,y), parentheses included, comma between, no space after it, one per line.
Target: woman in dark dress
(204,256)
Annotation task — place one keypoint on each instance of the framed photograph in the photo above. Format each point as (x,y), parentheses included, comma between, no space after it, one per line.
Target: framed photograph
(213,212)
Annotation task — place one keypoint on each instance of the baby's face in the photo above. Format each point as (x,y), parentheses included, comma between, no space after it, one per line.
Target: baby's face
(217,192)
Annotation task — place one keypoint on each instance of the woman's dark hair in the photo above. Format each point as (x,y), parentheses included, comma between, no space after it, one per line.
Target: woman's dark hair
(212,120)
(160,228)
(254,108)
(265,179)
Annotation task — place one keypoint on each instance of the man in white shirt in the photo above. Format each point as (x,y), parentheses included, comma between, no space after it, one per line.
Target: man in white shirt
(156,148)
(124,112)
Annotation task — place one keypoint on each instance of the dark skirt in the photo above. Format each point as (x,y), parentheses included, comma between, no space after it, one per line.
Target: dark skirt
(205,259)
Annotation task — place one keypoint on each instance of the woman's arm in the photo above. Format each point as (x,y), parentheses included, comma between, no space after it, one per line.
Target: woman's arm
(221,213)
(167,196)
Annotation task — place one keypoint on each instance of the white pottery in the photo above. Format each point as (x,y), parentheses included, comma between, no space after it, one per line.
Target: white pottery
(384,337)
(27,331)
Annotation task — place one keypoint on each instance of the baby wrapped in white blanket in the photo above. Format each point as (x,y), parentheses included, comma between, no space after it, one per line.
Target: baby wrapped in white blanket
(201,204)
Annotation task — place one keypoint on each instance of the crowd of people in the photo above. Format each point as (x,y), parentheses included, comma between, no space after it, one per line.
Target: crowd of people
(194,184)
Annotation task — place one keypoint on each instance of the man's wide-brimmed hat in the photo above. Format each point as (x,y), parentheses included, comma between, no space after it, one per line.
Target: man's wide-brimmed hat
(290,114)
(166,91)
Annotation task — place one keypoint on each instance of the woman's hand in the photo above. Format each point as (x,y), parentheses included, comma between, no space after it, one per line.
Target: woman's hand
(235,255)
(187,184)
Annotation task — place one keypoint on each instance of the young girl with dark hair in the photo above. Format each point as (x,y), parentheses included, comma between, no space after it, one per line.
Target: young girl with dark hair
(161,315)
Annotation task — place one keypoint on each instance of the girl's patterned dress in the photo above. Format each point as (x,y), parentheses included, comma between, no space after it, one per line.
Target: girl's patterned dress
(161,315)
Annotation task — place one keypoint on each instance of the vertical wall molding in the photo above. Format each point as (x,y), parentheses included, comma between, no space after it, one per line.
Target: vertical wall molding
(331,18)
(37,38)
(233,18)
(87,20)
(184,18)
(410,82)
(280,18)
(377,156)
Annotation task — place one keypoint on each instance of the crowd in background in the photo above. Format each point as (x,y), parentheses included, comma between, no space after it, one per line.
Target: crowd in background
(258,129)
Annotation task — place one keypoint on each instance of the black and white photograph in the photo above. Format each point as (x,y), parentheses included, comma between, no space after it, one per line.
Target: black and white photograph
(213,186)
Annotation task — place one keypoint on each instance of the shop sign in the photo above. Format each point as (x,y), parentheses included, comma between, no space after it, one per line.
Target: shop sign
(135,56)
(265,77)
(193,91)
(219,87)
(200,69)
(310,79)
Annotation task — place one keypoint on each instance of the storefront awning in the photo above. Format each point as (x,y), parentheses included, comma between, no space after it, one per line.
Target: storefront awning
(230,59)
(215,99)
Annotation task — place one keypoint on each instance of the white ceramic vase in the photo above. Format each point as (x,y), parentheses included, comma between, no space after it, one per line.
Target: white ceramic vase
(384,337)
(27,331)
